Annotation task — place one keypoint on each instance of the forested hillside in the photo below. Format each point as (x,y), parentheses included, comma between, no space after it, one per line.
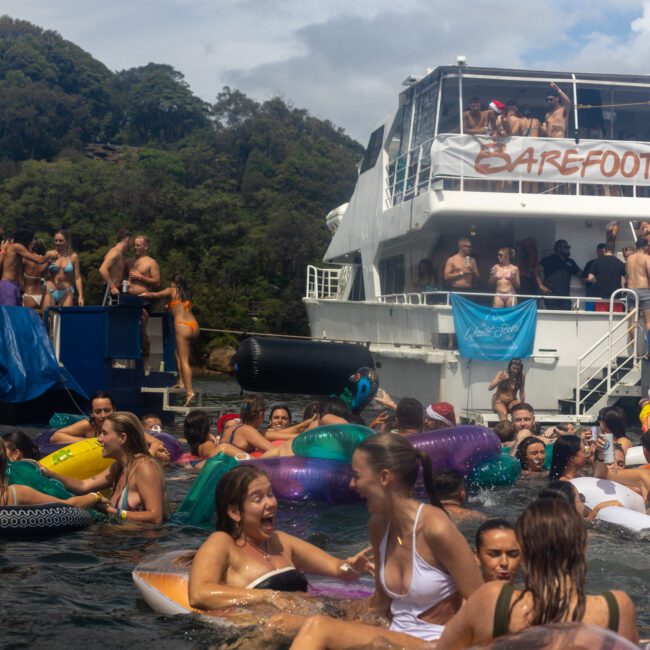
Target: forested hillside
(232,194)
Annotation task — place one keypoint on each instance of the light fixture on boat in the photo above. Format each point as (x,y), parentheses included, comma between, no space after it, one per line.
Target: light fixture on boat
(472,230)
(461,60)
(410,80)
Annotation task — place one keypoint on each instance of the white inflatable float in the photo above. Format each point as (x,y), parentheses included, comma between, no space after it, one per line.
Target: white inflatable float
(635,457)
(596,490)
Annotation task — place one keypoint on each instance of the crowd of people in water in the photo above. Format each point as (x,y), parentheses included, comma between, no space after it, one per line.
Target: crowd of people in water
(430,585)
(34,277)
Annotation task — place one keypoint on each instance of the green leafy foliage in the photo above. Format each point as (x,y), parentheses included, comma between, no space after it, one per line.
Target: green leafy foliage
(231,195)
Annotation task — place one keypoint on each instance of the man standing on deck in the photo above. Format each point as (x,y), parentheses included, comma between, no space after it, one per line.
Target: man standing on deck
(637,267)
(555,121)
(558,269)
(12,267)
(475,120)
(114,265)
(605,274)
(461,272)
(144,275)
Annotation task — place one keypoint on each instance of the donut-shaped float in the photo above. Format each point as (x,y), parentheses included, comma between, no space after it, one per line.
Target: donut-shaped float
(80,460)
(163,581)
(45,446)
(25,472)
(635,457)
(171,444)
(498,472)
(330,442)
(20,522)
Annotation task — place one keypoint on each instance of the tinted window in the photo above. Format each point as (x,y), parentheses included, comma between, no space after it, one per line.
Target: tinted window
(372,152)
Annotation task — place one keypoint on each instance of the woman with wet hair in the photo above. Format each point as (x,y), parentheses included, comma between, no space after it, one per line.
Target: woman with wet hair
(246,435)
(553,541)
(20,446)
(135,478)
(425,568)
(531,454)
(247,561)
(510,387)
(568,492)
(568,458)
(101,406)
(280,427)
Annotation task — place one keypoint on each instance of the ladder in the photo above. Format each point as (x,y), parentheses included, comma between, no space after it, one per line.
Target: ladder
(167,394)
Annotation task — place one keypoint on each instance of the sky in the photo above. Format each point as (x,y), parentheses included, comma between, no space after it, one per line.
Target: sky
(345,61)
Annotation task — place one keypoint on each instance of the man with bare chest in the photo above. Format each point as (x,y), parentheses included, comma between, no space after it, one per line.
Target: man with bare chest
(113,267)
(555,121)
(12,267)
(637,269)
(461,271)
(475,120)
(144,275)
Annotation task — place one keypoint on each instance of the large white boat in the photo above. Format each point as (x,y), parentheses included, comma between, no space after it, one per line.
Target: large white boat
(423,183)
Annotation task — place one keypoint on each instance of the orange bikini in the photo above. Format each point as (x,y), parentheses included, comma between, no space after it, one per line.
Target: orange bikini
(192,324)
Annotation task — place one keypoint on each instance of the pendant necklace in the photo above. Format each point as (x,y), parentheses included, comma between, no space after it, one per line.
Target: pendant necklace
(264,551)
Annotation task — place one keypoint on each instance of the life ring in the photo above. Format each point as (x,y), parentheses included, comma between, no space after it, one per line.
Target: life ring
(330,442)
(20,522)
(163,583)
(635,457)
(597,490)
(80,460)
(498,472)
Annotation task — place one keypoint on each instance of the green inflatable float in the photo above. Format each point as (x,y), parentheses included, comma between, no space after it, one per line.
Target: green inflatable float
(331,442)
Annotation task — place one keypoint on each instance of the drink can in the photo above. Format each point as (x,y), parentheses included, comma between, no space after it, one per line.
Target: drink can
(125,286)
(608,449)
(468,260)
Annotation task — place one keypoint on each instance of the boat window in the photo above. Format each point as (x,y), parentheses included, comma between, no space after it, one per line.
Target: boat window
(426,102)
(392,275)
(613,112)
(373,149)
(449,116)
(397,141)
(358,291)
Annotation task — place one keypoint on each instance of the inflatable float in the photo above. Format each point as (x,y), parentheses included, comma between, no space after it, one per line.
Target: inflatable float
(163,580)
(597,490)
(80,460)
(20,522)
(635,457)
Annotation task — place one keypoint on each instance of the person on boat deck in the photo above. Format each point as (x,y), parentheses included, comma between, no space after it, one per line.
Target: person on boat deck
(425,568)
(450,488)
(565,490)
(553,541)
(637,271)
(11,279)
(558,269)
(590,287)
(612,420)
(531,454)
(569,458)
(504,277)
(461,272)
(439,415)
(113,267)
(474,119)
(247,561)
(20,446)
(497,550)
(136,479)
(409,416)
(64,274)
(510,387)
(23,495)
(638,478)
(606,274)
(529,268)
(144,275)
(555,120)
(186,328)
(33,288)
(427,279)
(506,432)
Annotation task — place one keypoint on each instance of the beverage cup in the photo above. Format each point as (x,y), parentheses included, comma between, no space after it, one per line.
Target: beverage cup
(608,449)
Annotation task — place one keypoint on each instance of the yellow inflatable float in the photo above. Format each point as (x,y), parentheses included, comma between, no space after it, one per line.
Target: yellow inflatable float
(80,460)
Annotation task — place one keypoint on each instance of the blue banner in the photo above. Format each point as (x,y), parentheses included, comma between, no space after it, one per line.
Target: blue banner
(491,333)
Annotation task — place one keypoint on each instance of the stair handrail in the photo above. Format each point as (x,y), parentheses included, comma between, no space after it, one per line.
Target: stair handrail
(608,337)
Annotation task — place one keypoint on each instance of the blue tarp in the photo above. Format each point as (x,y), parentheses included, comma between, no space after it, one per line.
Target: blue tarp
(28,366)
(494,334)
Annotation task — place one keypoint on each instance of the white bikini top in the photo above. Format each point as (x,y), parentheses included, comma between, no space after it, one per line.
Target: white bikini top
(429,586)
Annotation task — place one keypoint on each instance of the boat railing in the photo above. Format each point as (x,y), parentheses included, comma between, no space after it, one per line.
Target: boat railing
(326,284)
(600,368)
(415,172)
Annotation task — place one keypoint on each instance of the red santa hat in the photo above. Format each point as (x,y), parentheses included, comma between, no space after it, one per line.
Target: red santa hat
(443,412)
(226,417)
(497,106)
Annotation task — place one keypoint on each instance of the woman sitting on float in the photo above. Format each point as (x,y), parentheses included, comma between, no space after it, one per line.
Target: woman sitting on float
(247,561)
(425,568)
(23,495)
(135,477)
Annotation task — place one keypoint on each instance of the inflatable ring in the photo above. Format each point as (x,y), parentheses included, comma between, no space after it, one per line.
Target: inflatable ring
(635,457)
(25,472)
(80,460)
(163,582)
(461,448)
(61,420)
(19,522)
(330,442)
(597,490)
(498,472)
(171,444)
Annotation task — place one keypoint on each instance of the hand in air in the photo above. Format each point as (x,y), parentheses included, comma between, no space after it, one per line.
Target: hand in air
(362,562)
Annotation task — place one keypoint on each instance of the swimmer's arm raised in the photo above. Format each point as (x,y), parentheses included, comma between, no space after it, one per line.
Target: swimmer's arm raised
(163,293)
(288,433)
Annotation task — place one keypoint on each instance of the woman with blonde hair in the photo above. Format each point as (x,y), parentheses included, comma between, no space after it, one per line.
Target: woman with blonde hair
(136,479)
(64,274)
(504,277)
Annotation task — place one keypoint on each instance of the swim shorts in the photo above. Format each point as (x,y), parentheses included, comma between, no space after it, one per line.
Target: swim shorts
(644,298)
(10,294)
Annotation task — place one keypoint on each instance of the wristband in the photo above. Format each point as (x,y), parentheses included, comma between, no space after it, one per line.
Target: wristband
(98,497)
(123,515)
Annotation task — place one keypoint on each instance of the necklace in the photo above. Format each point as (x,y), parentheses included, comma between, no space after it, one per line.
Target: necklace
(264,551)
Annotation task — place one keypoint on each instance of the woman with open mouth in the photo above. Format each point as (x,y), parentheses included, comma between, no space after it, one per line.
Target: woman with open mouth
(531,453)
(247,561)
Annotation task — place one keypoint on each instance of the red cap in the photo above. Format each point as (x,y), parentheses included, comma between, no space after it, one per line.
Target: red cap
(443,412)
(497,106)
(226,417)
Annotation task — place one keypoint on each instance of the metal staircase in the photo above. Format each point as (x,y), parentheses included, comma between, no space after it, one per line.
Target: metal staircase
(611,367)
(168,393)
